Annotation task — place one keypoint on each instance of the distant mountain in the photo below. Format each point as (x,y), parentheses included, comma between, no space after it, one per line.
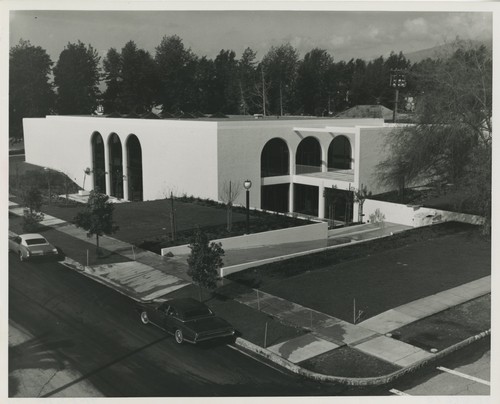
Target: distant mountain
(445,50)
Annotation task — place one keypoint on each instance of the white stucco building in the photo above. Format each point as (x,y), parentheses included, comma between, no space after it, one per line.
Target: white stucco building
(295,165)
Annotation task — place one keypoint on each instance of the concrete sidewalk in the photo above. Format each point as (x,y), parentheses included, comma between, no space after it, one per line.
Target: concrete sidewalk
(150,276)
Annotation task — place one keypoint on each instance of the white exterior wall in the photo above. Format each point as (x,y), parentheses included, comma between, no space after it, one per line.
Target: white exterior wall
(310,232)
(199,157)
(177,156)
(371,152)
(240,145)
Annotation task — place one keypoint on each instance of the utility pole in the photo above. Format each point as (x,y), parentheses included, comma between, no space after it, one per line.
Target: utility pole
(263,91)
(281,100)
(397,81)
(172,215)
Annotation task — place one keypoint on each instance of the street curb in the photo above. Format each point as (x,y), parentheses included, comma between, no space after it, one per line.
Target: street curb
(355,381)
(77,267)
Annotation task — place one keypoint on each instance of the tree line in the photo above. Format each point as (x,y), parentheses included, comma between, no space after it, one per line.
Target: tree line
(179,81)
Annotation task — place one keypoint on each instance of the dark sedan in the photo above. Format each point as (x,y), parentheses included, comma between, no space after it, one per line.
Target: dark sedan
(186,319)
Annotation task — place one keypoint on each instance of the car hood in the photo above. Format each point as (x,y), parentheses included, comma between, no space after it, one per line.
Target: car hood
(208,324)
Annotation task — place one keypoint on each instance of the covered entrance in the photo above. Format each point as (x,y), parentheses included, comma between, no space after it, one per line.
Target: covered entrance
(275,197)
(339,205)
(306,199)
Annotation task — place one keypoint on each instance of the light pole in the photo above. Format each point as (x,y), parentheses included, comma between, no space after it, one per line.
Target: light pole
(248,184)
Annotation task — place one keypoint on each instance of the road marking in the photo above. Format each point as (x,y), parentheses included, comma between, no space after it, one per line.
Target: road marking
(398,393)
(454,372)
(257,359)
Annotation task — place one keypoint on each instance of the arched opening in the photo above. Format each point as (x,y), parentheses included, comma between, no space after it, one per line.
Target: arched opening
(134,168)
(115,166)
(308,158)
(340,153)
(98,165)
(274,159)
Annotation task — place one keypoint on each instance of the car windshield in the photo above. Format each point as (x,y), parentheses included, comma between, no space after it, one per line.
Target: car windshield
(36,241)
(197,312)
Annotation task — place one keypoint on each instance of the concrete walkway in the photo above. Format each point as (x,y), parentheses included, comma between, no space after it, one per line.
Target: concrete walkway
(150,276)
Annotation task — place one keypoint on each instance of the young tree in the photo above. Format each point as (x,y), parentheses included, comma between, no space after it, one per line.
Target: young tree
(230,192)
(205,261)
(77,76)
(30,92)
(360,196)
(97,217)
(32,199)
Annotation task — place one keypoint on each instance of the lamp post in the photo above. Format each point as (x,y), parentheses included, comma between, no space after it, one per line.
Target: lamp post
(248,184)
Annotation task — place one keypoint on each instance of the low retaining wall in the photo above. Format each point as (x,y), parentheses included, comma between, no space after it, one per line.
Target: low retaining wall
(309,232)
(413,215)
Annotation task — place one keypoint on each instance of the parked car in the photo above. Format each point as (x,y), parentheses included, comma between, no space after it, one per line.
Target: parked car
(32,245)
(186,319)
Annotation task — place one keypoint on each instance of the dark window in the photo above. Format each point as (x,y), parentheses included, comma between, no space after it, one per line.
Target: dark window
(36,241)
(339,153)
(308,159)
(274,159)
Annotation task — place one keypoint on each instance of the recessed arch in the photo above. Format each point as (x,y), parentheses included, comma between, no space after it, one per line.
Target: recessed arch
(98,162)
(275,158)
(134,168)
(115,168)
(340,153)
(308,157)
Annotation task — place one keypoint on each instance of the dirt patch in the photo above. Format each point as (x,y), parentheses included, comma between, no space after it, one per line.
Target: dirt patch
(448,327)
(348,362)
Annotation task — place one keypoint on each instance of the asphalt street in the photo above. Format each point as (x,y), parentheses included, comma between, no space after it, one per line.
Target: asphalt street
(70,336)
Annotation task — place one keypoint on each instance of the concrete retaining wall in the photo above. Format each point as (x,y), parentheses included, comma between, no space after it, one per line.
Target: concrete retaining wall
(310,232)
(414,215)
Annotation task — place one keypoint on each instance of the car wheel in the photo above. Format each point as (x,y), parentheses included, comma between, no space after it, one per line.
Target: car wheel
(21,257)
(144,317)
(179,338)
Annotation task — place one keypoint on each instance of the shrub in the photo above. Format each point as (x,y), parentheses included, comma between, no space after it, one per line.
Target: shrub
(31,221)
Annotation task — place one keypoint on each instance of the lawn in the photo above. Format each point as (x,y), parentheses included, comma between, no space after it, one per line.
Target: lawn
(147,224)
(377,274)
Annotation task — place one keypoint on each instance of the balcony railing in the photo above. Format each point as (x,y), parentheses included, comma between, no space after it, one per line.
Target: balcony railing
(305,169)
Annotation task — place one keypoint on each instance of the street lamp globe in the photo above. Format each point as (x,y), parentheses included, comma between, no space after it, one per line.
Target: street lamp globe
(247,184)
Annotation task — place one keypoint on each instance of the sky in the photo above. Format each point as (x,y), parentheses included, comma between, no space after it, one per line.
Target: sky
(344,34)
